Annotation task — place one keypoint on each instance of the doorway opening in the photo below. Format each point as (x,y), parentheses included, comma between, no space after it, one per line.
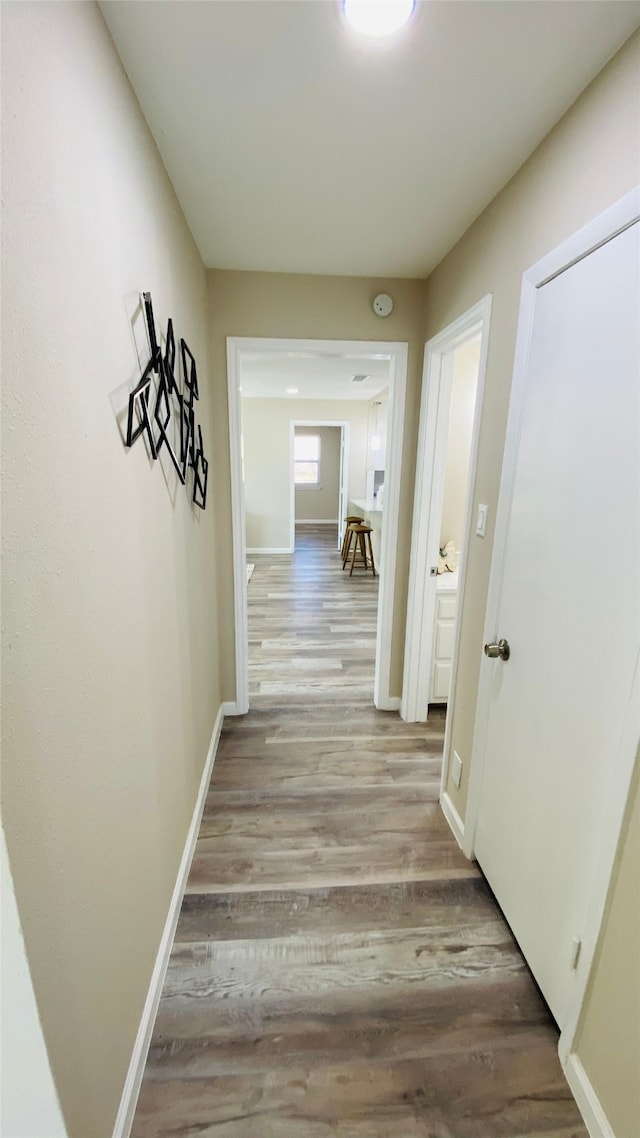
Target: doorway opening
(444,515)
(292,369)
(319,474)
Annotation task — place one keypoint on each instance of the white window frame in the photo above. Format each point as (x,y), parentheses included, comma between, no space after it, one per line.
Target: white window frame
(317,485)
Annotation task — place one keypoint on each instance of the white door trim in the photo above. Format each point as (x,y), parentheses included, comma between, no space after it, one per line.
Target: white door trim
(344,425)
(240,705)
(398,354)
(602,229)
(427,510)
(587,1100)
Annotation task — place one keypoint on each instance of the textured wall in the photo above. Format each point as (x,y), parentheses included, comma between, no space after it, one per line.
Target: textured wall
(110,666)
(463,404)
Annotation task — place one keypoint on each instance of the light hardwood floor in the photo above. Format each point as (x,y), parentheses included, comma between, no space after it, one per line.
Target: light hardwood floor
(339,968)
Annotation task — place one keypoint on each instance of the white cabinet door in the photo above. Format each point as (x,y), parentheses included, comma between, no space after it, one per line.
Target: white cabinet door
(569,607)
(444,634)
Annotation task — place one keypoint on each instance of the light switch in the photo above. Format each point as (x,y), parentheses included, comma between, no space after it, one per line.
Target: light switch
(481,521)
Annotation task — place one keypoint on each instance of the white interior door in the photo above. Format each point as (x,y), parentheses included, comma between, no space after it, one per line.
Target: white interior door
(569,608)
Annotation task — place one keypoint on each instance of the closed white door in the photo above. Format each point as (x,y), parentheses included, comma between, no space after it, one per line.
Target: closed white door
(569,608)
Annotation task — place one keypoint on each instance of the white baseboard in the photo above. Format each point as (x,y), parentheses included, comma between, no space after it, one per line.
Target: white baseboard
(586,1098)
(453,818)
(230,707)
(265,550)
(389,703)
(316,521)
(404,713)
(133,1080)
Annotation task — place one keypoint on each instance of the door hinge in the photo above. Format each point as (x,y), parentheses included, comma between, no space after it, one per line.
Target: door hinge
(575,953)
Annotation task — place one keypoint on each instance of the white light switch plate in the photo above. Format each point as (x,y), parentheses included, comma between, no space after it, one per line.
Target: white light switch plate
(481,520)
(456,768)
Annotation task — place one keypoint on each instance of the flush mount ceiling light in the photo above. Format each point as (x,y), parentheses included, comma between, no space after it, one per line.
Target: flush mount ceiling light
(377,17)
(292,390)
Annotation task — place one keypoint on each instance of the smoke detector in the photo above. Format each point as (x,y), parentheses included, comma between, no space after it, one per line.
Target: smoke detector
(383,305)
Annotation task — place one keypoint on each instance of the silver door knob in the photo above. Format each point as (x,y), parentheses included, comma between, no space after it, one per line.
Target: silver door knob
(500,649)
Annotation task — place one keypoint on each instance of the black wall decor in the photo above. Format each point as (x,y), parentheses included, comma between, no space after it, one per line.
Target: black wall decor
(163,410)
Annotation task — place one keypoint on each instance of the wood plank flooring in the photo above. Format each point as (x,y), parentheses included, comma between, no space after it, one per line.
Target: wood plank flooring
(339,968)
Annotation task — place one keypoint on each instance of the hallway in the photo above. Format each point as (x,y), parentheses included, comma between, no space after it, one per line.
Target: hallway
(339,968)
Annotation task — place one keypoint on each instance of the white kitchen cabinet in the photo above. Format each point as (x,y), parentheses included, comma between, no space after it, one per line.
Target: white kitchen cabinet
(443,637)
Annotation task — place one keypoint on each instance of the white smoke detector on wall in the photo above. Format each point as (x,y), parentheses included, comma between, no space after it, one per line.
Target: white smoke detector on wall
(383,305)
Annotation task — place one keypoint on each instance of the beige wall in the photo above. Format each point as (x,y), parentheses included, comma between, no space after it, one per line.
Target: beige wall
(587,162)
(267,474)
(311,307)
(608,1041)
(110,665)
(466,361)
(320,503)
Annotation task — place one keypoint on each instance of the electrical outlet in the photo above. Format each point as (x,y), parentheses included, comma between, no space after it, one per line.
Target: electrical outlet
(456,768)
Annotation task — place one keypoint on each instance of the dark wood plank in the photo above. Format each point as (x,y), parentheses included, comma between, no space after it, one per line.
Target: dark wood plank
(352,908)
(502,1092)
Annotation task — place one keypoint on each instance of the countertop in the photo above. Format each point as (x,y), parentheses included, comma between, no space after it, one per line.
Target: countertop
(367,505)
(447,582)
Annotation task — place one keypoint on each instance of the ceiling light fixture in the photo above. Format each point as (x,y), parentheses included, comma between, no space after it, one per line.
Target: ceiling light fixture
(292,390)
(378,17)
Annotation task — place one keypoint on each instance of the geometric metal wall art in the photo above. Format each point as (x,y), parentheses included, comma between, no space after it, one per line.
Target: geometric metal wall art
(163,410)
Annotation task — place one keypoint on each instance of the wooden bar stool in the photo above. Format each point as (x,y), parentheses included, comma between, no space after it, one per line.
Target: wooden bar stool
(359,543)
(349,521)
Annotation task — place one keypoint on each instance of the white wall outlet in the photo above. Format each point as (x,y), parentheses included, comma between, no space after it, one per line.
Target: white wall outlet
(456,768)
(481,520)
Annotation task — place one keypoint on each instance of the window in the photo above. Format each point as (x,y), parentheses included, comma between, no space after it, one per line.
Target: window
(306,460)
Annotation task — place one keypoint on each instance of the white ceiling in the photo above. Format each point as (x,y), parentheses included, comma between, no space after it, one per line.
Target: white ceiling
(296,145)
(266,375)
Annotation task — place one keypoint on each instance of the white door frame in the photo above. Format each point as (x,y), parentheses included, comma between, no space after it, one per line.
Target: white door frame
(397,354)
(344,425)
(437,383)
(604,227)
